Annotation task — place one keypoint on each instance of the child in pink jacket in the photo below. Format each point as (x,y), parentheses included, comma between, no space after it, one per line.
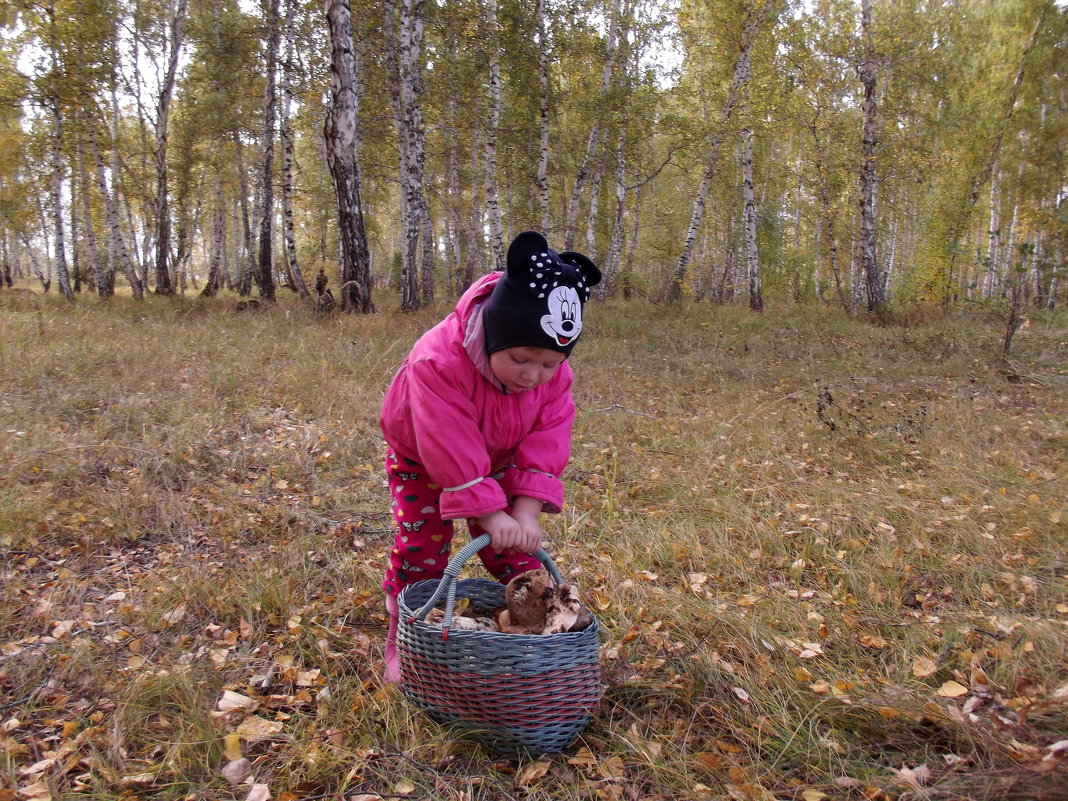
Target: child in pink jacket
(478,420)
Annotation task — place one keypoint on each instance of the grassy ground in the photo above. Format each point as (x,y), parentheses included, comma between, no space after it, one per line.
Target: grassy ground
(828,555)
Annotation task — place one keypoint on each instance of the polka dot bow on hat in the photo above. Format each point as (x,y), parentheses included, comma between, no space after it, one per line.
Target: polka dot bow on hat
(538,301)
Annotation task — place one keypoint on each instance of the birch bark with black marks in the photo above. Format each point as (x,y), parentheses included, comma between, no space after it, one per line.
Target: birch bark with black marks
(742,69)
(993,245)
(340,140)
(752,261)
(286,129)
(403,23)
(995,149)
(246,260)
(104,288)
(265,263)
(56,108)
(874,290)
(218,244)
(492,186)
(116,239)
(615,242)
(828,216)
(164,286)
(543,117)
(594,139)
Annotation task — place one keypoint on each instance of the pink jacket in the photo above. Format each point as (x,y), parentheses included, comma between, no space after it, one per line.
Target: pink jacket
(483,445)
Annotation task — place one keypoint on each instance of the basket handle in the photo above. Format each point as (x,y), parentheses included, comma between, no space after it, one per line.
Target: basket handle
(447,584)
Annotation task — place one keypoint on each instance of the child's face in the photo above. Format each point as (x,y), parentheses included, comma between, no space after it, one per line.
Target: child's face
(520,369)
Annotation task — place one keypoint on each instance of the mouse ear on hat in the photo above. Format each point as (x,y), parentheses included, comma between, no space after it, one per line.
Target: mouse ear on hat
(522,248)
(586,266)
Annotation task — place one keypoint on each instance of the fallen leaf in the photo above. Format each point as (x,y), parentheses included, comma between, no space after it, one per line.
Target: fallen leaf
(872,641)
(813,795)
(952,689)
(38,791)
(923,666)
(237,770)
(708,760)
(531,772)
(742,694)
(231,700)
(584,758)
(256,728)
(259,792)
(232,746)
(611,768)
(403,787)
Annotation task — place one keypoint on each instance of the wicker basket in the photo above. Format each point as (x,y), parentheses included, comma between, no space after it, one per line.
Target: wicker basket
(509,691)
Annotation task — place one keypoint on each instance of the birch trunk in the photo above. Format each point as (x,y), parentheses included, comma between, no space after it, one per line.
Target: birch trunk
(750,28)
(163,112)
(874,289)
(492,187)
(265,266)
(116,239)
(993,249)
(474,237)
(286,125)
(594,139)
(340,139)
(756,300)
(543,118)
(103,288)
(62,275)
(246,262)
(615,242)
(218,245)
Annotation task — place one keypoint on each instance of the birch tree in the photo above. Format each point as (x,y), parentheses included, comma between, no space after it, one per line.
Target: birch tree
(340,135)
(874,289)
(174,39)
(543,117)
(286,131)
(403,22)
(756,300)
(751,25)
(265,271)
(489,165)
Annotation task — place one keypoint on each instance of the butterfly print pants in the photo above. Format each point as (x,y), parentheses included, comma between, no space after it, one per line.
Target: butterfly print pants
(423,540)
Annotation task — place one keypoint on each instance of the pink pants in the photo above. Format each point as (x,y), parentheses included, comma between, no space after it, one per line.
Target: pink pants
(423,541)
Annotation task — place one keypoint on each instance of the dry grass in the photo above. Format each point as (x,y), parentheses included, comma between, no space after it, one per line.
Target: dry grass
(797,529)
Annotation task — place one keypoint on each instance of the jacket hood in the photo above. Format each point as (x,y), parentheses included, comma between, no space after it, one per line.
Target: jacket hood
(475,296)
(469,315)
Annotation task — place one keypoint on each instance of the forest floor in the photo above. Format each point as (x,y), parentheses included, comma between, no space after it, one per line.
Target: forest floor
(828,557)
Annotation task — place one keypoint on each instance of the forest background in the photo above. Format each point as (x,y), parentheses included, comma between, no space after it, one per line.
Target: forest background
(827,549)
(859,153)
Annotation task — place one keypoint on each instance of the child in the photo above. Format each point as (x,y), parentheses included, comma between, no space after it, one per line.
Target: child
(478,420)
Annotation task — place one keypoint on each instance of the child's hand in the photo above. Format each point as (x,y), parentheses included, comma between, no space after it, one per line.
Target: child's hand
(526,512)
(508,535)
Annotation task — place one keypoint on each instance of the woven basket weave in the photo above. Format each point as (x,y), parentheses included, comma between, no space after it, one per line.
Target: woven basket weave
(509,691)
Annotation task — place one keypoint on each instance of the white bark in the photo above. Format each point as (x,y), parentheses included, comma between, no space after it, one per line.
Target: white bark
(163,112)
(543,117)
(756,300)
(265,267)
(492,186)
(993,248)
(341,136)
(750,28)
(874,289)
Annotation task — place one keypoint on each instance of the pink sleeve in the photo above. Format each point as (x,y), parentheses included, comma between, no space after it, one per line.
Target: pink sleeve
(543,454)
(450,445)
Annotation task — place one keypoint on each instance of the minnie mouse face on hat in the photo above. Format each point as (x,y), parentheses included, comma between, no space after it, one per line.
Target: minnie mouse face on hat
(538,301)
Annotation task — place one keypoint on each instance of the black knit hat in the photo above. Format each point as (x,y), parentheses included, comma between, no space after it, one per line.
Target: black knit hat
(538,301)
